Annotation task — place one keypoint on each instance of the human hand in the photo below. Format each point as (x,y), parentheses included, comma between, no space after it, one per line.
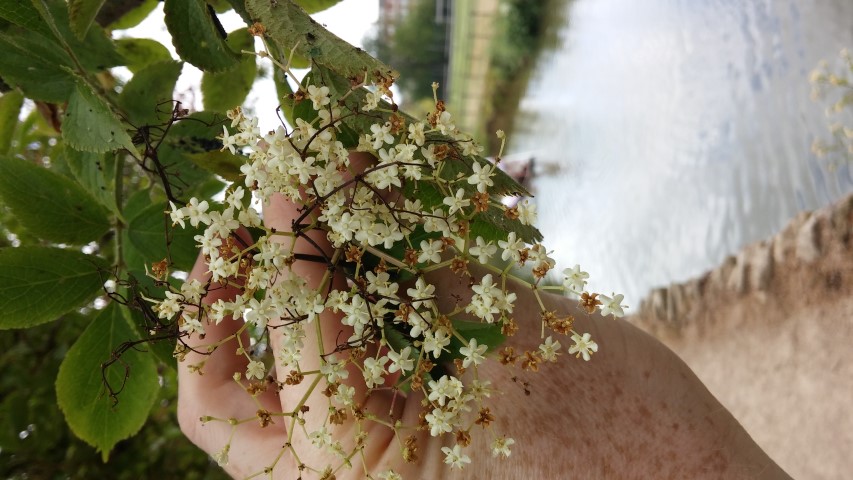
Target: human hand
(634,411)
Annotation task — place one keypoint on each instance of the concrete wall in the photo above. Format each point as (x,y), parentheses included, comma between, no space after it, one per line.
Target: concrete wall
(770,332)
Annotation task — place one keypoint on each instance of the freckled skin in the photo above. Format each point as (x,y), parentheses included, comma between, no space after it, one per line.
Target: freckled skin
(634,411)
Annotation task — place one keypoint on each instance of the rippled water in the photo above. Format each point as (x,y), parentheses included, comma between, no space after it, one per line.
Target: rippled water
(668,134)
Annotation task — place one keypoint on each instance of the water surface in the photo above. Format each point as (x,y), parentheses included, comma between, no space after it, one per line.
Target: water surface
(669,134)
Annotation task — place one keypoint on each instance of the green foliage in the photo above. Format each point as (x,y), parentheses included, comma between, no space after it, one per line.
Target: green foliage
(90,165)
(96,173)
(50,205)
(91,126)
(95,415)
(289,27)
(36,440)
(314,6)
(141,52)
(82,13)
(134,16)
(147,233)
(147,98)
(24,14)
(196,35)
(38,284)
(225,90)
(521,25)
(416,32)
(10,106)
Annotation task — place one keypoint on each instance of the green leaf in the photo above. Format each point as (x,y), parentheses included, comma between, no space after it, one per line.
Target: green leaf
(161,349)
(219,6)
(185,148)
(95,52)
(284,93)
(35,64)
(196,37)
(147,98)
(485,333)
(140,52)
(90,410)
(50,205)
(10,107)
(81,14)
(314,6)
(91,126)
(35,60)
(224,90)
(96,173)
(147,234)
(24,14)
(135,16)
(288,26)
(224,164)
(38,284)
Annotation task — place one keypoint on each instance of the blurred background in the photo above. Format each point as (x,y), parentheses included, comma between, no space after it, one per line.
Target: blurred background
(665,136)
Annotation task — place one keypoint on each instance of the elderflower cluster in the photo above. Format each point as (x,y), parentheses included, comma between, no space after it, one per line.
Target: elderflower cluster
(421,206)
(834,84)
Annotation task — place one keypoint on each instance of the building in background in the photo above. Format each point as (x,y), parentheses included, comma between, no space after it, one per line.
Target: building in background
(413,36)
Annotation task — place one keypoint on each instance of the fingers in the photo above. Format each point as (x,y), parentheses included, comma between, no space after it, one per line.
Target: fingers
(206,385)
(323,334)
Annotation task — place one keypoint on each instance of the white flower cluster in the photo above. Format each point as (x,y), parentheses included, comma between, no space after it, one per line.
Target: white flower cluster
(373,211)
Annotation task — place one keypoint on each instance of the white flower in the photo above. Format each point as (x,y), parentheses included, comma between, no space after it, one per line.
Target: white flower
(444,123)
(439,422)
(371,101)
(110,286)
(511,247)
(334,369)
(190,324)
(319,96)
(228,141)
(389,475)
(416,133)
(454,457)
(549,349)
(575,279)
(482,177)
(401,361)
(483,250)
(197,212)
(345,395)
(320,438)
(456,202)
(255,369)
(422,292)
(473,353)
(583,346)
(445,388)
(177,215)
(526,213)
(487,287)
(221,457)
(500,446)
(430,251)
(381,135)
(434,343)
(612,305)
(374,371)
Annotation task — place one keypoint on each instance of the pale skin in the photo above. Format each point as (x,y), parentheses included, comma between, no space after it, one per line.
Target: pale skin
(635,410)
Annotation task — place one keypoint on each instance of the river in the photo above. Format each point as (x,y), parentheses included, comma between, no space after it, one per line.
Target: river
(668,134)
